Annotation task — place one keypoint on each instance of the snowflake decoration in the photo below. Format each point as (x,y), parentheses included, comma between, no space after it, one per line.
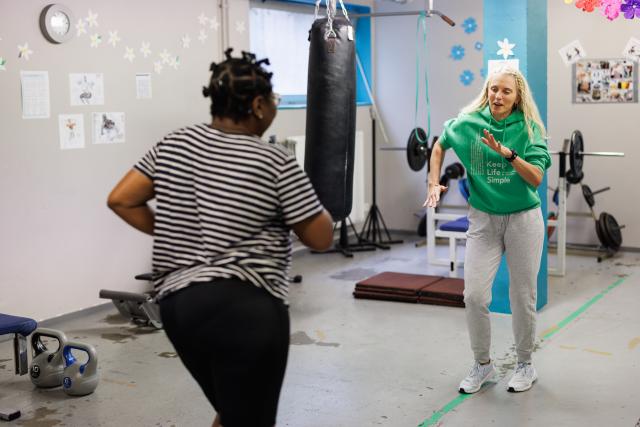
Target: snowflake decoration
(81,28)
(483,72)
(128,54)
(202,19)
(469,25)
(506,48)
(214,24)
(466,78)
(145,49)
(164,55)
(157,67)
(202,36)
(631,8)
(186,41)
(457,52)
(3,64)
(92,19)
(240,27)
(174,62)
(113,38)
(24,52)
(478,46)
(96,39)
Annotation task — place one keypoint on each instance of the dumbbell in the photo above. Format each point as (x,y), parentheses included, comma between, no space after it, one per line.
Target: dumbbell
(47,366)
(453,171)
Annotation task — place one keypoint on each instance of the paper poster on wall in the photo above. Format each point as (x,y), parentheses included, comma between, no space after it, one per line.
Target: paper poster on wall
(494,64)
(86,88)
(35,94)
(71,129)
(632,50)
(143,86)
(572,52)
(605,81)
(108,128)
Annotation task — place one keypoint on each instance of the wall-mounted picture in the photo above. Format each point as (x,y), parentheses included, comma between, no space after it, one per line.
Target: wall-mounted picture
(108,128)
(71,130)
(86,89)
(605,81)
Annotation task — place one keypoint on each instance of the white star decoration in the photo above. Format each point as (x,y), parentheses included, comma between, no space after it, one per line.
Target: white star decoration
(240,26)
(186,41)
(506,48)
(164,55)
(202,19)
(81,28)
(128,54)
(214,24)
(92,19)
(202,36)
(174,62)
(157,66)
(145,49)
(24,52)
(113,38)
(96,39)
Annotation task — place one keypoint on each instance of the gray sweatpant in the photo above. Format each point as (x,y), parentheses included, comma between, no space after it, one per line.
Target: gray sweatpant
(520,236)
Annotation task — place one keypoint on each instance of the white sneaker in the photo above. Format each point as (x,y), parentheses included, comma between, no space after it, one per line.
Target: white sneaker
(479,375)
(523,378)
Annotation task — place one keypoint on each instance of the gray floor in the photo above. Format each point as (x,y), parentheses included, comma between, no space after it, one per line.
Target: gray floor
(366,363)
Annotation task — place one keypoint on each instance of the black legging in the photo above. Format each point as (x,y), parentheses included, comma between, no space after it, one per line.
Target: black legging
(233,337)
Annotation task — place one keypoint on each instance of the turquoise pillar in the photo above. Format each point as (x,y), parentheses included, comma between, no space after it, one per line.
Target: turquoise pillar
(523,23)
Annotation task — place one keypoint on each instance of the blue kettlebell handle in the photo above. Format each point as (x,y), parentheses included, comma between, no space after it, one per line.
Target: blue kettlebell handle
(70,360)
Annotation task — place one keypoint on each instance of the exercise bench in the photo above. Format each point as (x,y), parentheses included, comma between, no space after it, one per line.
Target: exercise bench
(21,328)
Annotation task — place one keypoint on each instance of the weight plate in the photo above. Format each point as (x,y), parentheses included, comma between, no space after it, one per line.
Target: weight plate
(588,195)
(576,157)
(612,230)
(600,232)
(417,152)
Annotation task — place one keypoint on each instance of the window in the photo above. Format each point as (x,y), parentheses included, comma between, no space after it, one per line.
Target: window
(279,30)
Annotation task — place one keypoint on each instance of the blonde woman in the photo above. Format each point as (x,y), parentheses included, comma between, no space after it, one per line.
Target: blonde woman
(500,139)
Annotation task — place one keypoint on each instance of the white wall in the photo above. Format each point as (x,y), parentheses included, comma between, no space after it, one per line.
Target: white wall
(605,127)
(59,244)
(402,191)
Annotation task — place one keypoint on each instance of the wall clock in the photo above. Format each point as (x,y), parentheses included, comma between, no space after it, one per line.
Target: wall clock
(55,23)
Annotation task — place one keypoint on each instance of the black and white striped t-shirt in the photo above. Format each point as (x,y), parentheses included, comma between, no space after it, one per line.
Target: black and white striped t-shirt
(225,205)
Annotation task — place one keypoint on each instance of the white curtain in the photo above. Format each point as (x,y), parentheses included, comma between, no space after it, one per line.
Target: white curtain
(282,37)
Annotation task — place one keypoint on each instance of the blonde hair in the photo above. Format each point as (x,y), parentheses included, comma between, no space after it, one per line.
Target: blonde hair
(525,102)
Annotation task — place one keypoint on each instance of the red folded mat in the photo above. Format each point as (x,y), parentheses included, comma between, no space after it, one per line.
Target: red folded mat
(412,288)
(400,283)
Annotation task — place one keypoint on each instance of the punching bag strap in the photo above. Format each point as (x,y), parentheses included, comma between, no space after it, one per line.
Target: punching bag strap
(422,24)
(331,14)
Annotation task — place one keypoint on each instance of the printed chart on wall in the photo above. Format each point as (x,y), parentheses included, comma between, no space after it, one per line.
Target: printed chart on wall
(108,128)
(605,81)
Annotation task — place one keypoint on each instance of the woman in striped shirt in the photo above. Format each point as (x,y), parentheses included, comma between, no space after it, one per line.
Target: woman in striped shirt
(226,203)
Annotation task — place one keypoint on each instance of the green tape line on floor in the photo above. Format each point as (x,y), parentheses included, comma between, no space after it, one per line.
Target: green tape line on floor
(462,397)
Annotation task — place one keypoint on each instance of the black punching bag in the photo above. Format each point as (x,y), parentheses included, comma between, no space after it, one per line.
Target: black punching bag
(331,115)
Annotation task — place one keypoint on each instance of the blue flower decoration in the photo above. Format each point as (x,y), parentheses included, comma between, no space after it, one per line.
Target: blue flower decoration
(466,78)
(457,52)
(478,45)
(483,72)
(469,25)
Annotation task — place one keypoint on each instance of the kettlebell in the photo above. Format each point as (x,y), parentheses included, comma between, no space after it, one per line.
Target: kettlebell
(79,379)
(47,366)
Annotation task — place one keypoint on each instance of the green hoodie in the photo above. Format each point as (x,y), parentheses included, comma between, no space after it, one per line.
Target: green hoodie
(494,185)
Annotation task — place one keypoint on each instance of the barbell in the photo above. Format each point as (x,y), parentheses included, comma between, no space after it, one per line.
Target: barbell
(574,148)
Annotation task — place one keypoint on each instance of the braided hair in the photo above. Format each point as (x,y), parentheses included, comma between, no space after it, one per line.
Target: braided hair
(235,83)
